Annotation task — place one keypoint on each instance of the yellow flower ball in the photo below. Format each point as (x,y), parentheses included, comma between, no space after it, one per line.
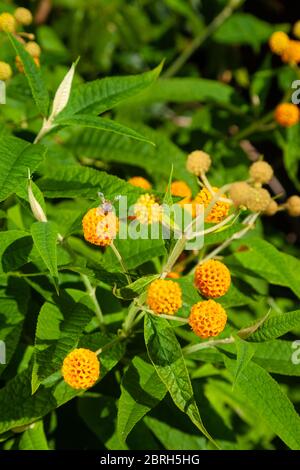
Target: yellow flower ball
(207,319)
(261,172)
(212,278)
(164,296)
(99,227)
(5,71)
(147,210)
(278,42)
(7,23)
(198,162)
(239,192)
(23,16)
(81,369)
(258,200)
(272,208)
(219,210)
(293,206)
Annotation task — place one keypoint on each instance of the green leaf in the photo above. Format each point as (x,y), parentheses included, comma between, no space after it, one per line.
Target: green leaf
(77,181)
(99,415)
(34,438)
(269,401)
(238,29)
(14,299)
(135,288)
(20,407)
(172,438)
(141,390)
(34,77)
(15,249)
(168,200)
(101,124)
(277,357)
(100,95)
(275,326)
(16,156)
(134,252)
(266,261)
(289,141)
(157,161)
(165,354)
(59,328)
(245,352)
(181,90)
(44,236)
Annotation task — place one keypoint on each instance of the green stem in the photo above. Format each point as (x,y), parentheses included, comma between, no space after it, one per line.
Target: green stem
(253,127)
(110,344)
(92,293)
(235,236)
(208,344)
(199,40)
(135,307)
(19,274)
(121,261)
(167,317)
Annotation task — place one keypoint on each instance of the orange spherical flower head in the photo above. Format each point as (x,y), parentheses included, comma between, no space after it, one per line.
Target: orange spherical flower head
(181,189)
(7,23)
(219,210)
(140,182)
(100,227)
(147,210)
(291,54)
(207,319)
(164,296)
(81,369)
(287,114)
(278,42)
(212,278)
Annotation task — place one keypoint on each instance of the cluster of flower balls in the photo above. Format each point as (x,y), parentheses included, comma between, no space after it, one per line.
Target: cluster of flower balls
(248,194)
(212,278)
(287,114)
(81,368)
(10,23)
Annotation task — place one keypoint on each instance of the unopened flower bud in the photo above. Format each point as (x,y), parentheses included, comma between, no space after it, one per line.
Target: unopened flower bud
(293,206)
(198,162)
(36,208)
